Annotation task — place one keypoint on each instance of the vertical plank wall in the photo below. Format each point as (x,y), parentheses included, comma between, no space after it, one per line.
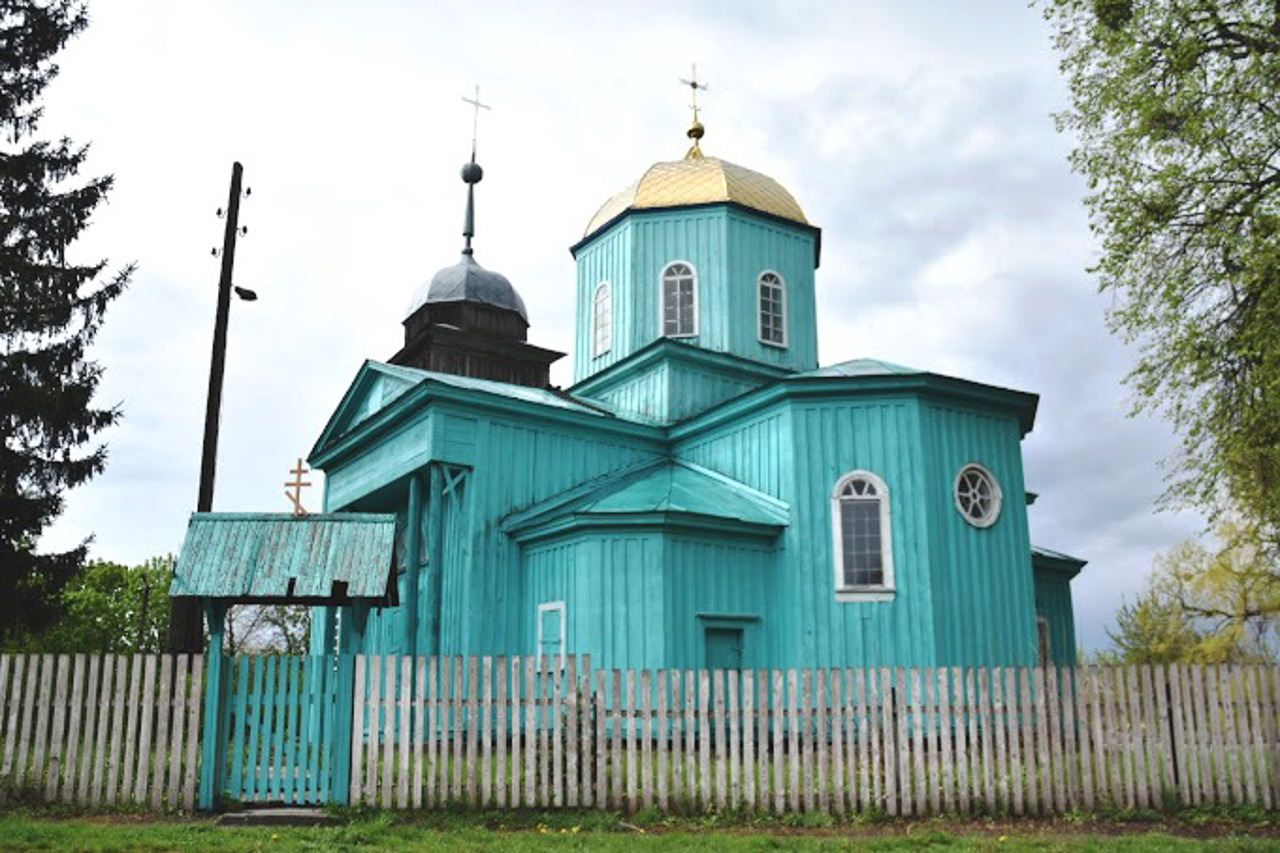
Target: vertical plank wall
(101,729)
(511,731)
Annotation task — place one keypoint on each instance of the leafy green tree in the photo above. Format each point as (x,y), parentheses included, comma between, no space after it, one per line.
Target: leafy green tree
(107,607)
(1154,629)
(1175,111)
(1232,593)
(50,310)
(1207,606)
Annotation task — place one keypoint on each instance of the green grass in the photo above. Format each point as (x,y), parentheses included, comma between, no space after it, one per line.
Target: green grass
(585,831)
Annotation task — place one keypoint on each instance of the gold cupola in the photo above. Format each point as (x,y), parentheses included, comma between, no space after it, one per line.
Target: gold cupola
(699,180)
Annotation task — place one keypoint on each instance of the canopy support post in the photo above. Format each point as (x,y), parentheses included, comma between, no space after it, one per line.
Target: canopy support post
(351,639)
(211,770)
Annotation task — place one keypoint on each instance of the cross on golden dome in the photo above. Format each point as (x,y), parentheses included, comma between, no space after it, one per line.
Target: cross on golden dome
(696,130)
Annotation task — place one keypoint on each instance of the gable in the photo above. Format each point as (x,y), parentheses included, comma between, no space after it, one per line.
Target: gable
(375,387)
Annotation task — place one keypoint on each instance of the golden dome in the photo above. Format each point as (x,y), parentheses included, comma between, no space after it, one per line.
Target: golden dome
(700,180)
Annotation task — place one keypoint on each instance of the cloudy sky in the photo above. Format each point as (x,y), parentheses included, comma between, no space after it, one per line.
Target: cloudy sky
(918,135)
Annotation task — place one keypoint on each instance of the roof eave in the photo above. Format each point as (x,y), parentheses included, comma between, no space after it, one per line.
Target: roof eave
(670,520)
(430,390)
(1020,403)
(733,205)
(1063,565)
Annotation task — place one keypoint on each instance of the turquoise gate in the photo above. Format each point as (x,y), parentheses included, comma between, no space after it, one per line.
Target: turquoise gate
(287,721)
(278,727)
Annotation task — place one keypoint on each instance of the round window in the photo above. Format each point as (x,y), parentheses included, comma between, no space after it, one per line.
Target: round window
(977,496)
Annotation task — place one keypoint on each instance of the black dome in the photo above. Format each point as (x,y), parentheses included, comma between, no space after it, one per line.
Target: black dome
(467,281)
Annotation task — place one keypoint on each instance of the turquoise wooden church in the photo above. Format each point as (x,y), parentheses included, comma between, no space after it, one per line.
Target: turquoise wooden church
(704,494)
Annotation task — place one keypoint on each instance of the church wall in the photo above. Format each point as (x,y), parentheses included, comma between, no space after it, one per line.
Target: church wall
(720,581)
(755,245)
(984,601)
(832,438)
(378,463)
(1053,602)
(797,451)
(694,389)
(671,390)
(729,249)
(612,588)
(518,463)
(643,394)
(755,450)
(512,463)
(608,258)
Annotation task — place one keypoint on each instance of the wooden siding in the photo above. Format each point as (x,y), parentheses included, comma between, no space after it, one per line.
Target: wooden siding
(835,437)
(516,464)
(710,578)
(883,437)
(983,588)
(1053,602)
(756,244)
(693,389)
(729,249)
(755,450)
(672,390)
(612,587)
(608,258)
(643,394)
(377,464)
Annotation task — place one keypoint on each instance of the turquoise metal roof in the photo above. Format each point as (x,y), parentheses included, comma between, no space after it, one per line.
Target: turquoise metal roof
(666,492)
(1045,558)
(378,386)
(279,557)
(862,367)
(523,393)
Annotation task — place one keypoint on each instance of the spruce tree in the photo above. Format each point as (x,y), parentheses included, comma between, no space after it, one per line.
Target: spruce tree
(51,307)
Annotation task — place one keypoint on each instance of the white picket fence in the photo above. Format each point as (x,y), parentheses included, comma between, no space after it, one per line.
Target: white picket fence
(101,730)
(506,732)
(498,732)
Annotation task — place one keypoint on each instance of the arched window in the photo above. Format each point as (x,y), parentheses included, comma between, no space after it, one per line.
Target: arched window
(602,320)
(863,551)
(679,300)
(773,309)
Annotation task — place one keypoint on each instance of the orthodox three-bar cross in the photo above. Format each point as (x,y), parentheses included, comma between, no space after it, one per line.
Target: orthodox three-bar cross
(694,86)
(475,118)
(297,484)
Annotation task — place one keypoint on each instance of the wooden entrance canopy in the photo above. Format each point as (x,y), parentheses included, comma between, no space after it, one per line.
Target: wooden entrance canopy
(344,559)
(281,558)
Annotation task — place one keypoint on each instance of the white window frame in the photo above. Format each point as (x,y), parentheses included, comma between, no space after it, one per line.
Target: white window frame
(597,348)
(782,286)
(886,590)
(662,300)
(997,496)
(545,607)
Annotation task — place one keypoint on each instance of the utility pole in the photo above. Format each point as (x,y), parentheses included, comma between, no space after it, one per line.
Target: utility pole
(185,618)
